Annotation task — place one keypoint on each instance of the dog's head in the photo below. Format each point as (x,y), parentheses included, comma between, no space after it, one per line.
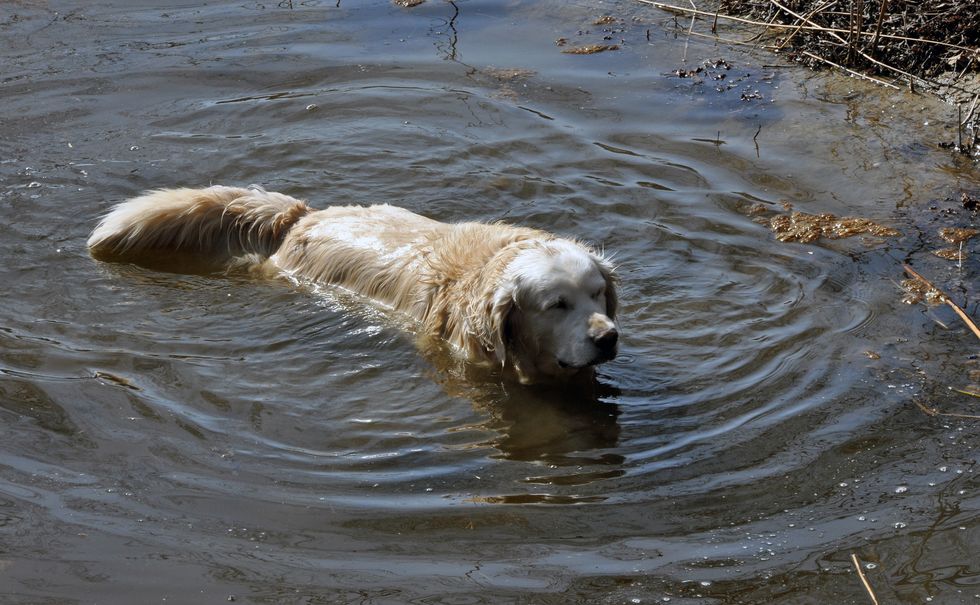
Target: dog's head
(554,312)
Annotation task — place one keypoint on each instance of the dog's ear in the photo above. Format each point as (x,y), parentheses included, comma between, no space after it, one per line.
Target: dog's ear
(612,280)
(501,306)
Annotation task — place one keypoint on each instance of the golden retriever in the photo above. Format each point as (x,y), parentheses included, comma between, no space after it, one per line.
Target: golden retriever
(541,307)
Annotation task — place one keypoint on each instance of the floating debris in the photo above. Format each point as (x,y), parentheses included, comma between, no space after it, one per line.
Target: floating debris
(872,355)
(957,235)
(509,81)
(509,74)
(561,41)
(969,202)
(604,20)
(803,227)
(116,380)
(950,253)
(408,3)
(917,291)
(590,49)
(687,73)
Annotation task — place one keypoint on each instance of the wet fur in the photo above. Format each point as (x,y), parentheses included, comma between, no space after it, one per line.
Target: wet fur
(456,280)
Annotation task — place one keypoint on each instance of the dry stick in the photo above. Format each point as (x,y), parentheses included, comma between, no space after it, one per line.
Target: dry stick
(881,19)
(850,71)
(820,28)
(864,580)
(746,42)
(945,298)
(969,114)
(819,9)
(689,30)
(854,27)
(959,135)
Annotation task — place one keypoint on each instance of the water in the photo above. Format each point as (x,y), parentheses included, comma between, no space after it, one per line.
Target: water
(201,438)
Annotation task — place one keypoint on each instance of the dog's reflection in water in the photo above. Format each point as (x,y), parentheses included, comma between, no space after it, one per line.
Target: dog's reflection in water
(568,425)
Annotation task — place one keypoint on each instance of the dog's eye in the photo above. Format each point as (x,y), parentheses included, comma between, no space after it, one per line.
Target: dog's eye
(560,304)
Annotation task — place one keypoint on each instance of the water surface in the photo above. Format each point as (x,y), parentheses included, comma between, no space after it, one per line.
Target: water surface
(197,438)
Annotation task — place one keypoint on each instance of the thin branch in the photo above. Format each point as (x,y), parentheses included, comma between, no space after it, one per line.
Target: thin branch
(850,71)
(799,27)
(881,19)
(864,580)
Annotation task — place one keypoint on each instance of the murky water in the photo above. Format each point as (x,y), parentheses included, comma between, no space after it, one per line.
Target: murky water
(201,438)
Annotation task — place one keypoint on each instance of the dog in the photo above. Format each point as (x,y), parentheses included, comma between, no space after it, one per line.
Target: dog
(540,307)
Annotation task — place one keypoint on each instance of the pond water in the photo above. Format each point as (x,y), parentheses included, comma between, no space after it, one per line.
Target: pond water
(208,438)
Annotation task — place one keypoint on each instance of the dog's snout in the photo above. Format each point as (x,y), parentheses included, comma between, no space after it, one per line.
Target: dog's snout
(607,339)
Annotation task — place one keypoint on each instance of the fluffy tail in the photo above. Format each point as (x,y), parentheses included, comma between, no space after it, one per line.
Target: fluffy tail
(217,221)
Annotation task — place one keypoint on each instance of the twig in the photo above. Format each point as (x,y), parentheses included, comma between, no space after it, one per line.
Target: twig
(850,71)
(969,114)
(934,412)
(881,19)
(864,580)
(746,42)
(945,298)
(689,30)
(966,392)
(799,27)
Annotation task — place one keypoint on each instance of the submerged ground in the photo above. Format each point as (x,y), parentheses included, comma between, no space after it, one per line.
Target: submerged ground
(777,407)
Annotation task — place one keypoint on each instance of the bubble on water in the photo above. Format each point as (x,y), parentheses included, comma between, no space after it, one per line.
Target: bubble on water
(901,489)
(862,518)
(842,484)
(901,525)
(134,147)
(33,185)
(705,583)
(943,469)
(870,565)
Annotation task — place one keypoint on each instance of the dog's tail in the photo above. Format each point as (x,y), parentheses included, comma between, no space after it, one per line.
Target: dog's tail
(217,221)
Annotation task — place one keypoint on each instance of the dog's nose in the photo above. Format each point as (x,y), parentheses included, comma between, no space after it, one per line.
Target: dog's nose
(607,339)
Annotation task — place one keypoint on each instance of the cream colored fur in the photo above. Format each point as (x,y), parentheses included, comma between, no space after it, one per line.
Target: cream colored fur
(540,306)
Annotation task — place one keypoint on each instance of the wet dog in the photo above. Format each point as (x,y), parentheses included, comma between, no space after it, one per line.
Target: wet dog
(541,307)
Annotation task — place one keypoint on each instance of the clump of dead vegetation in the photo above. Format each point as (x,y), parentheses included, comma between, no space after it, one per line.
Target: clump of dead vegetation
(803,227)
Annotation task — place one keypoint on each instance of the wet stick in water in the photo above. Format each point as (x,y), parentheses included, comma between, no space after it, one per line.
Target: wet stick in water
(935,411)
(945,298)
(864,580)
